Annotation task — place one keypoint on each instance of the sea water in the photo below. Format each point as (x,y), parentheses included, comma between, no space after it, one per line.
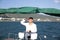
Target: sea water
(46,30)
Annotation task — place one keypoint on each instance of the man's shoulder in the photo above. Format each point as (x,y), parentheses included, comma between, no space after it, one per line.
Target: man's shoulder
(34,23)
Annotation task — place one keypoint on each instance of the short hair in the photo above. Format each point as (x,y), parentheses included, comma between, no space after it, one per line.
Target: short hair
(30,18)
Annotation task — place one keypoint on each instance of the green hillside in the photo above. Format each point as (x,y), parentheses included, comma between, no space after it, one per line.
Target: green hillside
(29,10)
(50,11)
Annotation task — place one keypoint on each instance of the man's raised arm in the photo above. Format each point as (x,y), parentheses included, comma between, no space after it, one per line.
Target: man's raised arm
(23,22)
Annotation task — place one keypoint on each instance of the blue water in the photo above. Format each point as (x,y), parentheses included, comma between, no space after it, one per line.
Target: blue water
(50,29)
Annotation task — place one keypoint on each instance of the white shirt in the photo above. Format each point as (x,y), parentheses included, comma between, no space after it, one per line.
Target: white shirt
(32,28)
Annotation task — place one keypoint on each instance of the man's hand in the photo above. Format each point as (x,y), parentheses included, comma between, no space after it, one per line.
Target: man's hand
(29,31)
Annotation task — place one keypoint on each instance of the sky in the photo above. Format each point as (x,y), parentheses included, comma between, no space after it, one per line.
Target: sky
(30,3)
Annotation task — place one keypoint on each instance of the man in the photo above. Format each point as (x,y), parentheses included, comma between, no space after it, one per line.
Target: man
(30,26)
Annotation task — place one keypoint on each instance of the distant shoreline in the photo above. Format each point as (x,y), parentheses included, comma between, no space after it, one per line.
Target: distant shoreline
(36,20)
(37,17)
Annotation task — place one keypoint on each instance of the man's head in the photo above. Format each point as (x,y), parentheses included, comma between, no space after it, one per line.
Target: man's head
(30,19)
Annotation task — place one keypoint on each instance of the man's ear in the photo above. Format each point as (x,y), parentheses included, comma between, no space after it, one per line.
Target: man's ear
(32,20)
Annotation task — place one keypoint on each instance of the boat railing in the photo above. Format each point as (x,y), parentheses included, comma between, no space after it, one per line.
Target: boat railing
(17,38)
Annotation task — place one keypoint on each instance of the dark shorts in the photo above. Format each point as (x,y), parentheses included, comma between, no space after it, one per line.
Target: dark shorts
(28,35)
